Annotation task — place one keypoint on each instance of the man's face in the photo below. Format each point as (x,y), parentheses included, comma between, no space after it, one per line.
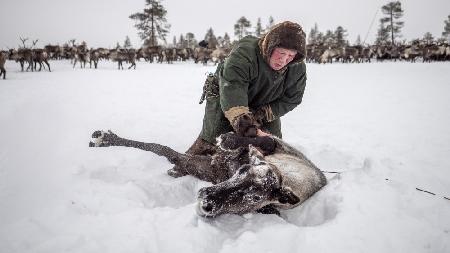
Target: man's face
(281,57)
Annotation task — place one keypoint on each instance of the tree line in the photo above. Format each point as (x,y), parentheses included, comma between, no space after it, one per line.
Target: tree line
(153,27)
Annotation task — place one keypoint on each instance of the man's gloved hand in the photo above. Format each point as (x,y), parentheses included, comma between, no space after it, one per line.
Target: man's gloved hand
(245,125)
(263,114)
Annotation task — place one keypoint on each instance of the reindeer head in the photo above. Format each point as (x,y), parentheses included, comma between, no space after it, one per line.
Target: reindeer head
(252,187)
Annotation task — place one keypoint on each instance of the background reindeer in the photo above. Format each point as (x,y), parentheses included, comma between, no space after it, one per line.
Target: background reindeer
(123,55)
(3,56)
(40,56)
(22,55)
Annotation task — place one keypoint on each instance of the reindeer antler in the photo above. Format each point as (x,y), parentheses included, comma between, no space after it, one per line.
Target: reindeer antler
(34,42)
(23,41)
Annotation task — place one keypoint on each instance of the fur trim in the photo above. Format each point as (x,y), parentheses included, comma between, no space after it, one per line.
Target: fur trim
(264,114)
(235,112)
(242,121)
(287,35)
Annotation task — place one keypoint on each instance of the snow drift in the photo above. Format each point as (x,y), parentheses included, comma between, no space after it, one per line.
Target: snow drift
(383,125)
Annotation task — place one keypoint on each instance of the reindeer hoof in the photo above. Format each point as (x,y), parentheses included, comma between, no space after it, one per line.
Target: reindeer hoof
(175,172)
(99,139)
(97,134)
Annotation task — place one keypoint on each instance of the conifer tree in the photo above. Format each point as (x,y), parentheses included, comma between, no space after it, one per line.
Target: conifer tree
(428,38)
(340,36)
(211,38)
(446,32)
(271,23)
(320,38)
(127,43)
(174,41)
(190,40)
(258,28)
(226,41)
(358,41)
(151,23)
(241,27)
(382,35)
(312,37)
(393,12)
(329,38)
(182,42)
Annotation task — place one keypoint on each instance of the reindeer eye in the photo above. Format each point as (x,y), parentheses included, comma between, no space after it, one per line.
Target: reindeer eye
(256,198)
(244,169)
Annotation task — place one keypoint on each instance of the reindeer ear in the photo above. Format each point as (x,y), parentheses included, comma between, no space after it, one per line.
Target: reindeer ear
(286,196)
(254,155)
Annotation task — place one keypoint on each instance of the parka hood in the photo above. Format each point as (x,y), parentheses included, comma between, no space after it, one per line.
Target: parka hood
(287,35)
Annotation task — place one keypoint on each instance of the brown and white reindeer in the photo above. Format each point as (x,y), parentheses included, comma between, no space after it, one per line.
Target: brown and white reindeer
(149,53)
(202,54)
(22,55)
(94,57)
(3,57)
(80,54)
(184,53)
(40,56)
(331,54)
(54,51)
(169,55)
(123,55)
(260,174)
(219,54)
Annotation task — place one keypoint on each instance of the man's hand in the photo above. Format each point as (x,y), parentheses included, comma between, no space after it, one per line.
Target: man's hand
(263,114)
(261,133)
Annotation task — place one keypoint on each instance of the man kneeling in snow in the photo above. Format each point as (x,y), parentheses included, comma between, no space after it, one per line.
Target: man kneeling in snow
(261,80)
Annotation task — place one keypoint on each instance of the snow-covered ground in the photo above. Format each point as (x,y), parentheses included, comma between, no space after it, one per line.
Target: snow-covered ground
(372,122)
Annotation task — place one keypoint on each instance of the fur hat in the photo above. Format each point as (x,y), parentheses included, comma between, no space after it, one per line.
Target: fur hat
(287,35)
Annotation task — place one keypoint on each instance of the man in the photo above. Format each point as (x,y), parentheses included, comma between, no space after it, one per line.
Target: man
(260,81)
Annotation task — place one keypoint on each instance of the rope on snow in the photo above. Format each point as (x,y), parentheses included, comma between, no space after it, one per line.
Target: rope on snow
(387,179)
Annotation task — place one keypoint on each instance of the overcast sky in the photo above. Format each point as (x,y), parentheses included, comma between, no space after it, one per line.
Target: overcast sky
(102,23)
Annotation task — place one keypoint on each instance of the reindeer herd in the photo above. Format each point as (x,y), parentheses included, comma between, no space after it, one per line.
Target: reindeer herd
(81,54)
(360,54)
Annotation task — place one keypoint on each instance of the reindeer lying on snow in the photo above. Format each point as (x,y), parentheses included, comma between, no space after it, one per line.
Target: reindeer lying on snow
(260,174)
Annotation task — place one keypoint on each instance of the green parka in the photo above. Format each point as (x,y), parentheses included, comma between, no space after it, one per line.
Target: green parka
(247,81)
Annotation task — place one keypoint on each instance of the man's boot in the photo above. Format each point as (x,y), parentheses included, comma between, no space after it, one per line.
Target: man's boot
(199,147)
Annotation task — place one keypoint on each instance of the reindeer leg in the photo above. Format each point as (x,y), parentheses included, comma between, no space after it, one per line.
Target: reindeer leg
(269,209)
(195,165)
(106,139)
(48,64)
